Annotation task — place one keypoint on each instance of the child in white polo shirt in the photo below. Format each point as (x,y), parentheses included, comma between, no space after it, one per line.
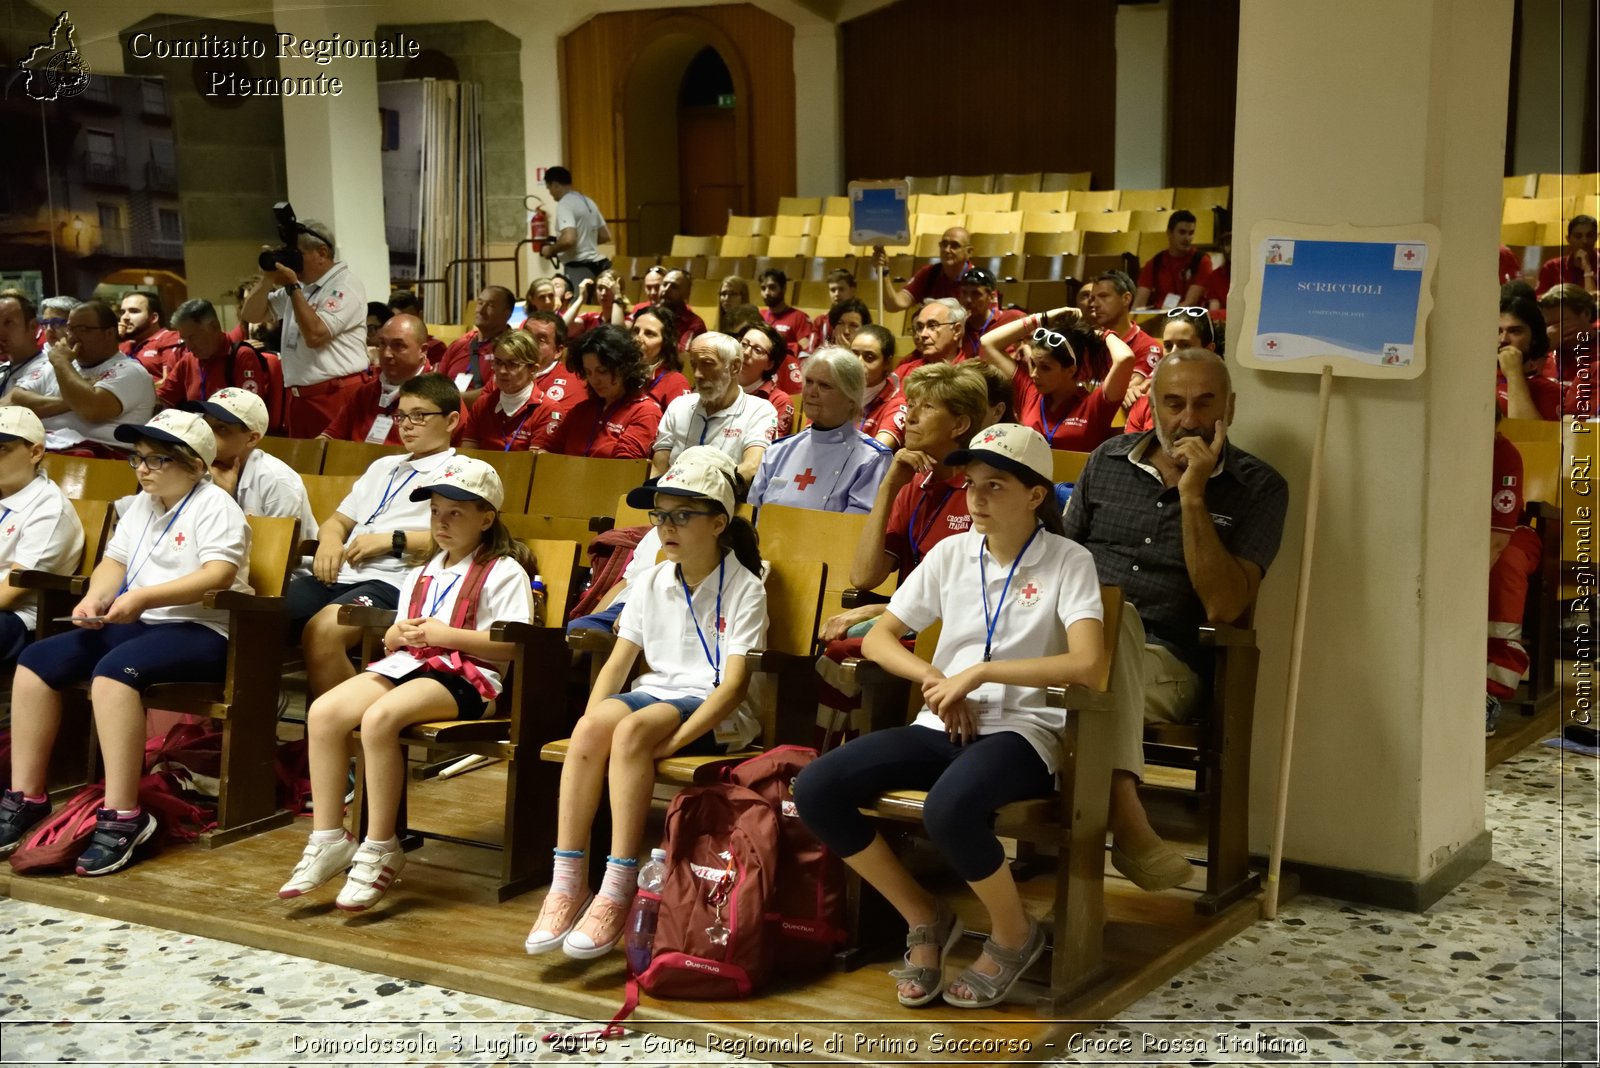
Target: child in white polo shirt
(362,548)
(141,622)
(694,617)
(442,664)
(39,530)
(986,736)
(259,481)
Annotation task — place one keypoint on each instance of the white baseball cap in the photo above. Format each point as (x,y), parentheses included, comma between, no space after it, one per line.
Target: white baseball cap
(234,405)
(699,471)
(464,478)
(1011,447)
(174,427)
(20,424)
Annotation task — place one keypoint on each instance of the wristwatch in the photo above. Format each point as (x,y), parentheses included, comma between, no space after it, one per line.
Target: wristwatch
(398,544)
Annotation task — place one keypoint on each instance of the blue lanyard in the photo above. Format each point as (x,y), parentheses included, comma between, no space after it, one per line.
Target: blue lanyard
(512,437)
(714,659)
(983,575)
(1050,431)
(916,509)
(433,609)
(390,492)
(133,572)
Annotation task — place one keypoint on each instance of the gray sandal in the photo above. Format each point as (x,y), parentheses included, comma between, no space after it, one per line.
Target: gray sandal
(992,989)
(943,932)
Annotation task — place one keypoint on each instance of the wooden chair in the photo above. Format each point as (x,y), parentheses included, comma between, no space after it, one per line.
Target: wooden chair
(985,203)
(689,247)
(935,185)
(1146,200)
(1064,182)
(1093,202)
(1046,244)
(836,206)
(1096,243)
(1201,200)
(302,454)
(1519,185)
(81,476)
(515,469)
(787,246)
(799,205)
(970,183)
(1017,183)
(72,763)
(1068,465)
(931,204)
(326,492)
(1149,221)
(807,534)
(569,492)
(994,222)
(513,731)
(995,245)
(354,457)
(1042,203)
(1073,821)
(1104,221)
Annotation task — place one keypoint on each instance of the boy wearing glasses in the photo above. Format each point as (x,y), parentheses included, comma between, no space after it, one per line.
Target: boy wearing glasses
(362,547)
(369,415)
(85,387)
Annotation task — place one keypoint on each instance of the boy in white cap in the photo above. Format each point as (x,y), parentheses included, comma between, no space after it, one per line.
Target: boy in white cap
(141,622)
(39,529)
(986,735)
(442,664)
(259,481)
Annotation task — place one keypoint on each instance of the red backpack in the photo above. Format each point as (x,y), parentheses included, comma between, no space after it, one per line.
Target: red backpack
(722,861)
(806,920)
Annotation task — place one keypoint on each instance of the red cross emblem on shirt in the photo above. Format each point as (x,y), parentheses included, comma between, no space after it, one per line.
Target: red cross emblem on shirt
(1272,344)
(804,480)
(178,540)
(12,529)
(1029,590)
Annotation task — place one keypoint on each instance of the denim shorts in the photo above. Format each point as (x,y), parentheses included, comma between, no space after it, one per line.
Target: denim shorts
(705,745)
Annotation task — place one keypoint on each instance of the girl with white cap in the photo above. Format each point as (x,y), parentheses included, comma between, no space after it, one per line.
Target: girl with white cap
(143,621)
(694,617)
(39,529)
(985,736)
(442,664)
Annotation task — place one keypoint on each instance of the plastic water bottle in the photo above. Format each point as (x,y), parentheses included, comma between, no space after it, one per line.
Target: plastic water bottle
(640,937)
(538,600)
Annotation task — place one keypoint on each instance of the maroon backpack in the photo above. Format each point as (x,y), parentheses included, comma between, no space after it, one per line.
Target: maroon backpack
(56,844)
(807,915)
(722,860)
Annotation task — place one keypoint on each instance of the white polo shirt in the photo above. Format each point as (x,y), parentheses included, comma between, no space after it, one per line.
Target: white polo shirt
(834,470)
(578,212)
(39,531)
(748,421)
(340,301)
(506,595)
(644,558)
(158,545)
(121,375)
(268,486)
(1055,585)
(380,503)
(658,620)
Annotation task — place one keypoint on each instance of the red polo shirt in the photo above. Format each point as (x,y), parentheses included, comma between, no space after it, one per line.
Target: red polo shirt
(1165,274)
(493,429)
(973,331)
(562,388)
(235,364)
(793,325)
(931,283)
(924,513)
(690,325)
(1139,417)
(459,358)
(1510,266)
(362,409)
(782,402)
(1078,426)
(625,430)
(157,353)
(1147,352)
(1546,395)
(667,386)
(1505,506)
(886,412)
(1217,289)
(1558,270)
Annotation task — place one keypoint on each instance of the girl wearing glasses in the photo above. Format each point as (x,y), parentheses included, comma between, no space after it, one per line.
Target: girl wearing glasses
(693,617)
(1049,395)
(1021,611)
(441,664)
(511,413)
(764,349)
(142,622)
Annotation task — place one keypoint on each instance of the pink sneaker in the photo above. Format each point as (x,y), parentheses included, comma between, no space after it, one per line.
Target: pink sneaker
(555,921)
(599,931)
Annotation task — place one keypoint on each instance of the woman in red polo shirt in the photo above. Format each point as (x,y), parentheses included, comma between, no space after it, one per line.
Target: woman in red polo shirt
(884,416)
(1049,395)
(619,418)
(511,413)
(655,331)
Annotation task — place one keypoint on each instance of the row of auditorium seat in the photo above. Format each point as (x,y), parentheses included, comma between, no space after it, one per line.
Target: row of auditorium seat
(1535,208)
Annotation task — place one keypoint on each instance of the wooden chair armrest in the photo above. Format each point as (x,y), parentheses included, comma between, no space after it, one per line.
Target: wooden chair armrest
(1541,510)
(1222,634)
(591,640)
(866,672)
(602,523)
(507,630)
(239,601)
(356,615)
(46,580)
(1081,698)
(308,547)
(856,598)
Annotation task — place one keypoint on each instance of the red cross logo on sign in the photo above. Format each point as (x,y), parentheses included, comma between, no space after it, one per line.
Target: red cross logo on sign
(1409,255)
(1272,344)
(804,480)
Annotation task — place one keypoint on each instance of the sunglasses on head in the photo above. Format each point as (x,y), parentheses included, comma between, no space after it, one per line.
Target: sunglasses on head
(1057,342)
(1191,312)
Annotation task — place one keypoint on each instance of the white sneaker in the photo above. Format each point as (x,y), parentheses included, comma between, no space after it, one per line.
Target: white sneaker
(320,862)
(371,872)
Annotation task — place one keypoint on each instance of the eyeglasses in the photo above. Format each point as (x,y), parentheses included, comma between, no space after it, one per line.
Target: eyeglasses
(926,326)
(678,517)
(79,329)
(506,365)
(952,244)
(414,418)
(152,460)
(52,322)
(750,346)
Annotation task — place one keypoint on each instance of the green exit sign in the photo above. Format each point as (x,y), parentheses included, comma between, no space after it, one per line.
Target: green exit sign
(725,100)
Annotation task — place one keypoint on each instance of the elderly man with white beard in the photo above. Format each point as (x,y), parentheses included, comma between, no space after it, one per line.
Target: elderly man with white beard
(718,413)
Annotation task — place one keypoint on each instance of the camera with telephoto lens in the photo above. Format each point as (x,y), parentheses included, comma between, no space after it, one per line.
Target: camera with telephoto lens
(289,231)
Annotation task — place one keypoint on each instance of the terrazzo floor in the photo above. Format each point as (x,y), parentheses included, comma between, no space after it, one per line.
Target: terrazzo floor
(1503,970)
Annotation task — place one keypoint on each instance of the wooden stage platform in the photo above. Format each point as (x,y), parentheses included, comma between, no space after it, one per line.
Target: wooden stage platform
(441,924)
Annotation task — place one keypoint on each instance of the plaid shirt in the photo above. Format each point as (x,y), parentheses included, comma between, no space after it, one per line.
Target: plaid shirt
(1132,522)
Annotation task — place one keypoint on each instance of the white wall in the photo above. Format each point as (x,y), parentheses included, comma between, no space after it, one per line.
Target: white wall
(1141,149)
(1553,52)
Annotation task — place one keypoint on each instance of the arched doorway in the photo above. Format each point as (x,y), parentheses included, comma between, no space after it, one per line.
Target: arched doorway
(685,136)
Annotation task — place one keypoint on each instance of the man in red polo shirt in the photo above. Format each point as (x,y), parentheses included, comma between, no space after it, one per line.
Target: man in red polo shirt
(978,297)
(937,331)
(841,287)
(1110,302)
(1521,389)
(675,295)
(469,361)
(936,280)
(145,337)
(1177,275)
(369,415)
(790,323)
(209,360)
(1578,266)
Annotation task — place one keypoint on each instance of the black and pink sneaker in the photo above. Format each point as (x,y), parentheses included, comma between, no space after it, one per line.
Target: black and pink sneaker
(114,840)
(18,816)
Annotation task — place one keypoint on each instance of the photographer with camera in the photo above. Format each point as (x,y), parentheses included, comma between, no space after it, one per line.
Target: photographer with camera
(323,307)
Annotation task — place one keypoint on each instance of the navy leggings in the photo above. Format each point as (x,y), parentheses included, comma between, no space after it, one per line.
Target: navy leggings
(134,654)
(965,784)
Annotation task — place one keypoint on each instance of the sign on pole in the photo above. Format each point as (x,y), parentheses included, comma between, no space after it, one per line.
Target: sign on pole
(879,213)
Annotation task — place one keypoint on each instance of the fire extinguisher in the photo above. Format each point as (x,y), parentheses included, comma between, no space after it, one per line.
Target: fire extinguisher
(539,227)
